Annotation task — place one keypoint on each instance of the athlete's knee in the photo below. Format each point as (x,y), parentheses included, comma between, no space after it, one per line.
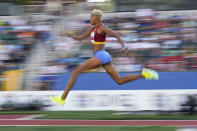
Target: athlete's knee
(77,70)
(119,81)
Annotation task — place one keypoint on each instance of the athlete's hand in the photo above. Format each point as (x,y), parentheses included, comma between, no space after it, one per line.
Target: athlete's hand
(121,42)
(126,50)
(123,47)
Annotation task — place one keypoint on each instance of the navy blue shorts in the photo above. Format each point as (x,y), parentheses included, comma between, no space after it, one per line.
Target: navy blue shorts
(103,56)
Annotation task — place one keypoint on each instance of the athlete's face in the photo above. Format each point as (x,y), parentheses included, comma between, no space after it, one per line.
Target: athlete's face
(93,20)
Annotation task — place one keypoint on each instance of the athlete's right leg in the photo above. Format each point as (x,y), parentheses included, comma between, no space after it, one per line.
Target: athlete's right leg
(87,65)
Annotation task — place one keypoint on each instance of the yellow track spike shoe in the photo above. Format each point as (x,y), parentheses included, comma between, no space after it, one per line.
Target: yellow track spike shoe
(57,99)
(150,74)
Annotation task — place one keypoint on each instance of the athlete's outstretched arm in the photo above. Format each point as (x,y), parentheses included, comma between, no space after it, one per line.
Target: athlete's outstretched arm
(110,32)
(81,37)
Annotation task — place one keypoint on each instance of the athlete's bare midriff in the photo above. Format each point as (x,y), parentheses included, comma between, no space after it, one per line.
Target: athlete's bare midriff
(97,47)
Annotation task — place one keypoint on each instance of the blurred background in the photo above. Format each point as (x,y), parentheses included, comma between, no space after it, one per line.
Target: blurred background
(160,35)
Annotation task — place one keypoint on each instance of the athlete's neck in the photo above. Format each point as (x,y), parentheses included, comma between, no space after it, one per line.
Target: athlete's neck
(97,23)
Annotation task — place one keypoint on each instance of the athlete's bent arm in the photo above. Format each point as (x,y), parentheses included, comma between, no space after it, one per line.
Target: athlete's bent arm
(113,34)
(81,37)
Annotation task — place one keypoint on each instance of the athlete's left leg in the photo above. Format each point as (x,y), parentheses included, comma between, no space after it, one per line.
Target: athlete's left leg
(116,77)
(146,73)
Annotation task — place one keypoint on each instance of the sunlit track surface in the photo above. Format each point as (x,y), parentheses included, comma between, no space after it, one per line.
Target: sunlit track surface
(28,120)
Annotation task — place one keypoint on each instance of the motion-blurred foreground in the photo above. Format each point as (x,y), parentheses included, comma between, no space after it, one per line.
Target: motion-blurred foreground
(34,57)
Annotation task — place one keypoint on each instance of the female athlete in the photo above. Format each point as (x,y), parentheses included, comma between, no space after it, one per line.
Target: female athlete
(101,58)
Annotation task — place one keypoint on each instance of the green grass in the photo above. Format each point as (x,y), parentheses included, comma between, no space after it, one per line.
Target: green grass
(86,128)
(102,115)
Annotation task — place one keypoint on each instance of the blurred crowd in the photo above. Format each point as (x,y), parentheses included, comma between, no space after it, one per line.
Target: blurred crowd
(17,38)
(161,42)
